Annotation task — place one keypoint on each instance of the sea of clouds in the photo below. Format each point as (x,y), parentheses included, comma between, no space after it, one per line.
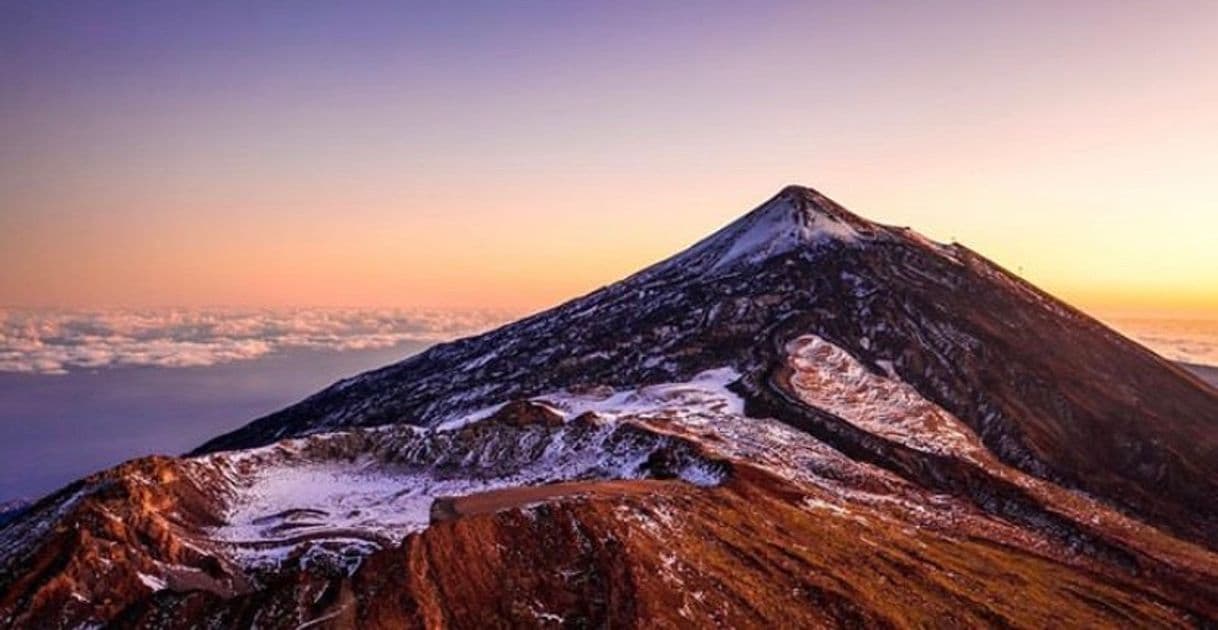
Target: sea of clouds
(1189,341)
(57,341)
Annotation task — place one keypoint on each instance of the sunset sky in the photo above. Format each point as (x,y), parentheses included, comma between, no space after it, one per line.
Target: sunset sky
(515,154)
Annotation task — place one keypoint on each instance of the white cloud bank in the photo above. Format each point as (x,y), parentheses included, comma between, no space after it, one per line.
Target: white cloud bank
(1190,341)
(56,341)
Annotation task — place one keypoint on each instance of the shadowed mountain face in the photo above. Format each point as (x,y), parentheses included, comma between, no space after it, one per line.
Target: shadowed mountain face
(806,418)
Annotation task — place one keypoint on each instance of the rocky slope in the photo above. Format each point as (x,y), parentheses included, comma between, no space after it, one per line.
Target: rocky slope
(805,419)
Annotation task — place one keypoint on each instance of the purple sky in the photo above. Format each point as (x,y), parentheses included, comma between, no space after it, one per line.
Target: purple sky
(512,154)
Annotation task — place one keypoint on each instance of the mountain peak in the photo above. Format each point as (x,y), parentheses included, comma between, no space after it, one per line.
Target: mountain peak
(811,203)
(796,217)
(797,191)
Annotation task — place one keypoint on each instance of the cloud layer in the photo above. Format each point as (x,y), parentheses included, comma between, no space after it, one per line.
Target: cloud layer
(1190,341)
(56,341)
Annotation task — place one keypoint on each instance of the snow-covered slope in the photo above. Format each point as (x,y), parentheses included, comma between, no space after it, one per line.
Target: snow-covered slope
(793,220)
(347,495)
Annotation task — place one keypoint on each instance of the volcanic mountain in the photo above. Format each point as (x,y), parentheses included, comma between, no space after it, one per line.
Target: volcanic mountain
(806,419)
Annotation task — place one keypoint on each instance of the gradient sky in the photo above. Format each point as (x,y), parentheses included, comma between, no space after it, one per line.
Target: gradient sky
(514,154)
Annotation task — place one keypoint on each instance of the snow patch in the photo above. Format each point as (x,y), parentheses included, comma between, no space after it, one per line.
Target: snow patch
(152,582)
(778,228)
(829,378)
(287,501)
(706,393)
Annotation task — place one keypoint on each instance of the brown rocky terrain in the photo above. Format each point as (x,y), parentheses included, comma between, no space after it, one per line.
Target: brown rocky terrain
(664,554)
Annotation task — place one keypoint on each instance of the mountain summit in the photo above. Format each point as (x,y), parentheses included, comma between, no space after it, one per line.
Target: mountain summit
(795,218)
(805,419)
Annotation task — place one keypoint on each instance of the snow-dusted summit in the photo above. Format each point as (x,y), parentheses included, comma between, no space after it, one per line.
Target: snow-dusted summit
(796,218)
